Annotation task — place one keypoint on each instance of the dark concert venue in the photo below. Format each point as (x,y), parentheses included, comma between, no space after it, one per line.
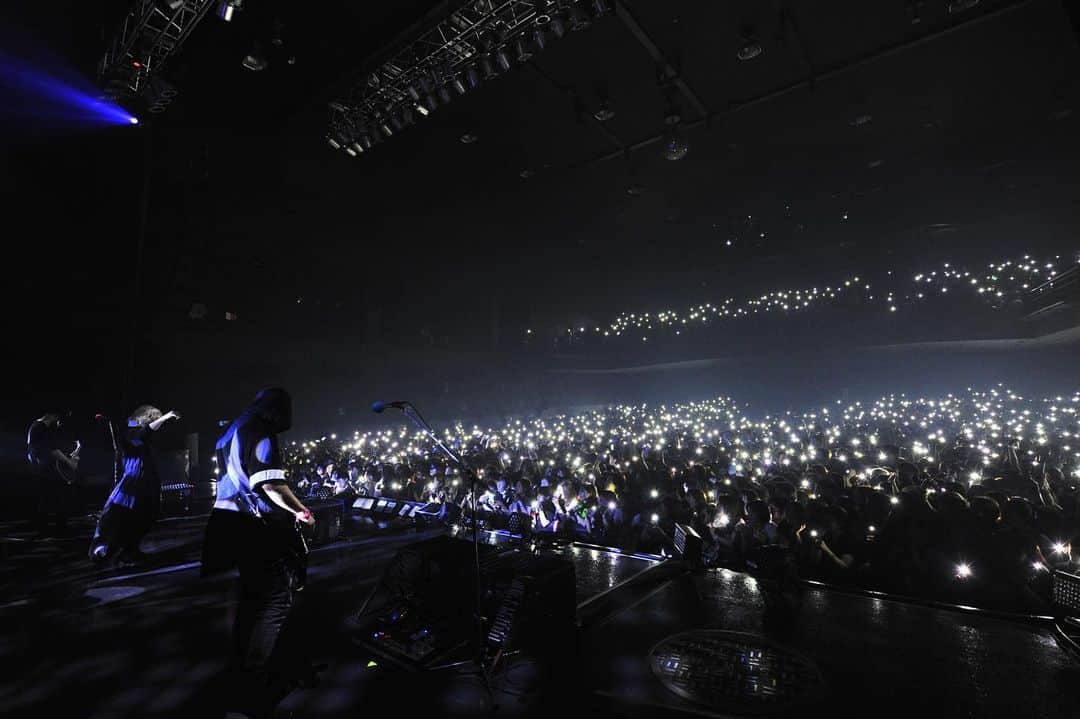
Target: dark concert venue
(540,358)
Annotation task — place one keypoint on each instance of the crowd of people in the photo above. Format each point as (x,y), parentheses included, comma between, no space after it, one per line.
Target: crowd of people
(993,285)
(961,496)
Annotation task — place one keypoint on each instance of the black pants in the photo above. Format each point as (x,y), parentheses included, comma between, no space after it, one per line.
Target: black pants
(121,530)
(262,665)
(54,497)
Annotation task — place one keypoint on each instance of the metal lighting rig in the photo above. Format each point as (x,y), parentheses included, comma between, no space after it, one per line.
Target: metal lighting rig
(467,44)
(151,32)
(1053,305)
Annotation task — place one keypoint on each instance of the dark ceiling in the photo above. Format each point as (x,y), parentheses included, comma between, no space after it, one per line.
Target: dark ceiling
(856,139)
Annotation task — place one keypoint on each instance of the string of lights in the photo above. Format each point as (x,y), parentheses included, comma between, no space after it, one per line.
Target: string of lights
(996,284)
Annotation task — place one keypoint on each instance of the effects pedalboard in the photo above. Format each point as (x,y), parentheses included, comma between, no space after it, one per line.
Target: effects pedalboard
(426,616)
(404,633)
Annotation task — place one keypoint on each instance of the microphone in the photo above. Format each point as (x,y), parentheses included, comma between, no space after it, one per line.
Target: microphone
(378,407)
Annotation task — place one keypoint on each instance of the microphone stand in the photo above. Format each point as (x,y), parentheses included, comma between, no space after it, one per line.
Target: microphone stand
(463,467)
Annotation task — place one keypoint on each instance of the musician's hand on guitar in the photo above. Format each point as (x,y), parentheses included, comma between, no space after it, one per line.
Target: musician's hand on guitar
(306,517)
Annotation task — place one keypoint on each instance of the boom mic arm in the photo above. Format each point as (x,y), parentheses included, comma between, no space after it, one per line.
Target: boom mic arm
(378,407)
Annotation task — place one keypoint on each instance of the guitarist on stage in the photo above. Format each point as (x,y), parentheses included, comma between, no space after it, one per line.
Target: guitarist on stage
(55,471)
(255,526)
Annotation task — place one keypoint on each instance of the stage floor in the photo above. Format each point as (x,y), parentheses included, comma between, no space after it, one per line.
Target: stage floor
(76,641)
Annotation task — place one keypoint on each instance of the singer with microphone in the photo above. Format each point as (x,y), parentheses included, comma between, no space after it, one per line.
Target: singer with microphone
(135,501)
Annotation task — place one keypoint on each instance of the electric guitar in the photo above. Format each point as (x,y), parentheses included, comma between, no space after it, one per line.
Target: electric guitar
(68,473)
(298,550)
(289,535)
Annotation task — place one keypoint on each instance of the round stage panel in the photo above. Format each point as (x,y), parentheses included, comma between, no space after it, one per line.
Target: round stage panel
(736,672)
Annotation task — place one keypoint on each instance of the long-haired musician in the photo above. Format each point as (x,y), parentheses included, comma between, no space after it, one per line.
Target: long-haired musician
(254,528)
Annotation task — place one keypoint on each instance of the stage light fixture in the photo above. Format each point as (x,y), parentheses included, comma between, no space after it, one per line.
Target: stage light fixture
(367,138)
(463,50)
(255,60)
(157,94)
(957,6)
(330,140)
(522,50)
(914,9)
(675,145)
(228,9)
(472,77)
(351,152)
(604,112)
(396,122)
(558,24)
(749,49)
(487,40)
(502,59)
(487,67)
(579,18)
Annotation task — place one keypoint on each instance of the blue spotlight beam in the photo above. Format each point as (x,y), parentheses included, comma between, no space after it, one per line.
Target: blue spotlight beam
(55,96)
